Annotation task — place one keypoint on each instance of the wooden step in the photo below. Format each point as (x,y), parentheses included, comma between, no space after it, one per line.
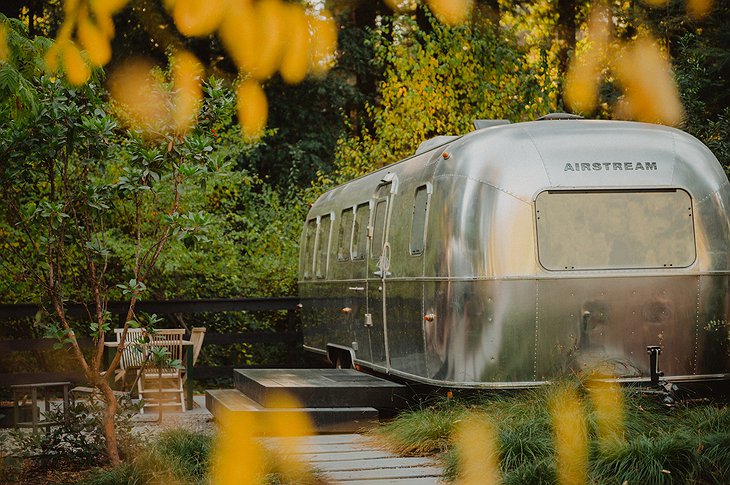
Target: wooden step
(324,419)
(320,388)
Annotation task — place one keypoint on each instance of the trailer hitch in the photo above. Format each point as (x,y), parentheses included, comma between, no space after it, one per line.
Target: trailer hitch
(665,387)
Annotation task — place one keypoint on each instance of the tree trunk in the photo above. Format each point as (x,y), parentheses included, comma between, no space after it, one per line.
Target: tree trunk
(567,12)
(112,449)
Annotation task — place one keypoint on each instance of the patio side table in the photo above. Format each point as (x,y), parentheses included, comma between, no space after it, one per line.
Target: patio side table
(46,389)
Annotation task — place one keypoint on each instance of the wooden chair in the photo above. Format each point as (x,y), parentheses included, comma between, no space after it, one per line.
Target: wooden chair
(197,335)
(161,385)
(133,354)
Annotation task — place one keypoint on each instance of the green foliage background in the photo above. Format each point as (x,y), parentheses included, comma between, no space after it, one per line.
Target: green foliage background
(399,80)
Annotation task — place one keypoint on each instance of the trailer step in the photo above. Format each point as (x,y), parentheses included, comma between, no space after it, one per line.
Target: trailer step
(321,388)
(324,420)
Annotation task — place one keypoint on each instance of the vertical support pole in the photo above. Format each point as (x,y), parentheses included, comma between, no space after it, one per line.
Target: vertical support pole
(16,409)
(34,410)
(188,381)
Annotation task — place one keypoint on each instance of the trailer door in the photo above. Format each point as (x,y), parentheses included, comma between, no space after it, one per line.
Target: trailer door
(378,273)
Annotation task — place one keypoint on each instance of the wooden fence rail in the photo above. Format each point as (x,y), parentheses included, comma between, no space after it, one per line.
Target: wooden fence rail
(287,331)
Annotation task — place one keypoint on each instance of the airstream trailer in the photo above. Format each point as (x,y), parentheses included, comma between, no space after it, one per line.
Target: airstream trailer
(519,252)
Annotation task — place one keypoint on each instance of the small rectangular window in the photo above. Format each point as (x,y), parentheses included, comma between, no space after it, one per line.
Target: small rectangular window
(378,229)
(323,243)
(579,230)
(418,223)
(360,243)
(310,233)
(344,236)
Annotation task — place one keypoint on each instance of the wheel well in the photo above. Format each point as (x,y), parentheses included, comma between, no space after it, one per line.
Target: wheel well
(345,355)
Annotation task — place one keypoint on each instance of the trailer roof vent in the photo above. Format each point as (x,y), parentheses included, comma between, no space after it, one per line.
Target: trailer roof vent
(560,116)
(481,124)
(434,142)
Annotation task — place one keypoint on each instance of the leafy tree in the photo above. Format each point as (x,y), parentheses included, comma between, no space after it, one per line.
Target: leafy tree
(438,83)
(88,207)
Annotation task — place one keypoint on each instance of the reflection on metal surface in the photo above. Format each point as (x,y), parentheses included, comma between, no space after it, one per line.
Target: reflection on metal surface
(504,319)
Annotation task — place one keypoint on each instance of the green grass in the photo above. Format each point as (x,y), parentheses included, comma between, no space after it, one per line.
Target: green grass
(658,445)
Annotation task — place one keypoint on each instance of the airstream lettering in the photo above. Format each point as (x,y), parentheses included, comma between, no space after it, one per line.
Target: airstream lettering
(607,166)
(501,258)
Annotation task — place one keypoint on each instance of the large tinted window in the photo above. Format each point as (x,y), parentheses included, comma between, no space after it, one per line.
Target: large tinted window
(614,229)
(325,224)
(344,236)
(418,222)
(310,232)
(360,243)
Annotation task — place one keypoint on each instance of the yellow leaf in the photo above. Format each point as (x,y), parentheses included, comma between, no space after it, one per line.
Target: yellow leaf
(608,405)
(571,437)
(650,93)
(239,34)
(293,424)
(295,63)
(477,441)
(188,73)
(237,458)
(656,3)
(77,72)
(139,96)
(107,7)
(252,108)
(4,51)
(584,74)
(699,8)
(270,16)
(451,12)
(196,18)
(324,42)
(93,41)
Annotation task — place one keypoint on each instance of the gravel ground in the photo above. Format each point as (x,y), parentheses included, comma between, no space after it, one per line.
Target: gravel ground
(146,426)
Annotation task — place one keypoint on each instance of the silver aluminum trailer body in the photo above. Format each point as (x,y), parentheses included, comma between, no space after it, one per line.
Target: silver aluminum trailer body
(517,253)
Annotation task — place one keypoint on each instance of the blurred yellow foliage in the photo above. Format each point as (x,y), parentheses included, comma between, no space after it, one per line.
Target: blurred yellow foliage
(238,457)
(609,410)
(571,437)
(194,18)
(252,108)
(477,442)
(451,12)
(262,37)
(188,96)
(140,96)
(699,8)
(649,91)
(147,105)
(77,70)
(93,40)
(583,79)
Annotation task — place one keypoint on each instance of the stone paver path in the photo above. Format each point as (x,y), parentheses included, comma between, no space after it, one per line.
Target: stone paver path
(356,459)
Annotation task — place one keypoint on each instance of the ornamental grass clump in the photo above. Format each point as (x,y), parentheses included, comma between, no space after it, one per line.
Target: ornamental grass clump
(571,432)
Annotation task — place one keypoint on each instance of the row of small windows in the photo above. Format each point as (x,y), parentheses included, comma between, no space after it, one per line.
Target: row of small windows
(352,234)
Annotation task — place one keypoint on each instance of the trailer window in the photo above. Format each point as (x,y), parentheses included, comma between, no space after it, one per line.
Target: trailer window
(359,245)
(325,224)
(614,229)
(376,249)
(310,233)
(344,236)
(418,223)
